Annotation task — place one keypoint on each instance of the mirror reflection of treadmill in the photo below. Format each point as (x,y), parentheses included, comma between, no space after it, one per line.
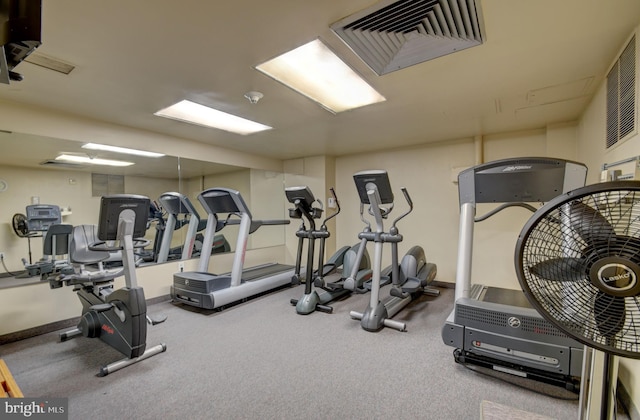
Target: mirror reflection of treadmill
(177,205)
(496,327)
(210,291)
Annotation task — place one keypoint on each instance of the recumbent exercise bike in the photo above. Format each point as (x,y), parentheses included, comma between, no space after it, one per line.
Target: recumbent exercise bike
(117,317)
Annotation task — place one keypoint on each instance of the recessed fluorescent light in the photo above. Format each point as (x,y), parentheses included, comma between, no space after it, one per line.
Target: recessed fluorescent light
(314,71)
(93,161)
(194,113)
(105,147)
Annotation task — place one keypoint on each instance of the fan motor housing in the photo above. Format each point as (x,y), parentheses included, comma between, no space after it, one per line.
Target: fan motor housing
(616,276)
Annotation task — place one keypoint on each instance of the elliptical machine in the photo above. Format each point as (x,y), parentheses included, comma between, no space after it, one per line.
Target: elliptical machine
(117,317)
(328,278)
(411,277)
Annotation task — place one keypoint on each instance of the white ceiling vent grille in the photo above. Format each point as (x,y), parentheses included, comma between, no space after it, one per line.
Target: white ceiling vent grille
(621,96)
(396,34)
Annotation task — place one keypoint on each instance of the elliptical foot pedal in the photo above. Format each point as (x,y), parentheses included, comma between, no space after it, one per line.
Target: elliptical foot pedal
(411,286)
(399,293)
(332,287)
(384,280)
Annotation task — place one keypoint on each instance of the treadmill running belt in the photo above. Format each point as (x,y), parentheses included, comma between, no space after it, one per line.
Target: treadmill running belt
(251,274)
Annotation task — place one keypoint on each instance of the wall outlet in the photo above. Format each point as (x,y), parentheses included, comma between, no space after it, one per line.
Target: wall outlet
(1,255)
(181,266)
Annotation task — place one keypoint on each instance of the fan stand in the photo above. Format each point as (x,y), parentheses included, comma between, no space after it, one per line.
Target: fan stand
(598,396)
(29,246)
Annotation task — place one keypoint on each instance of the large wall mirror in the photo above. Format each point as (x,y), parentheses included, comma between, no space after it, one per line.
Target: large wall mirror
(30,174)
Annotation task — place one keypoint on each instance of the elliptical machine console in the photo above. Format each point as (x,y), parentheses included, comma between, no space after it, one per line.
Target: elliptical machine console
(411,277)
(117,317)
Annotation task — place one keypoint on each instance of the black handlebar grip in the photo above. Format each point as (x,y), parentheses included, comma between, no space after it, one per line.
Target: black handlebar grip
(407,197)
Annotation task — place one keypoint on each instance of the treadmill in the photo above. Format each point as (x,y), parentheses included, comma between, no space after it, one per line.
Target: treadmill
(210,291)
(176,205)
(494,327)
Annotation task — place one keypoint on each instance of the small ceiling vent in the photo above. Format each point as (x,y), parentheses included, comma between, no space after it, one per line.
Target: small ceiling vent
(393,35)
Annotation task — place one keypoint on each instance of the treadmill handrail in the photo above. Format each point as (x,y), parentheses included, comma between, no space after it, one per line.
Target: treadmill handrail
(503,207)
(255,224)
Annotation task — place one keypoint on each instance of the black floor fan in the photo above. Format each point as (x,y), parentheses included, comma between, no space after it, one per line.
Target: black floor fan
(578,261)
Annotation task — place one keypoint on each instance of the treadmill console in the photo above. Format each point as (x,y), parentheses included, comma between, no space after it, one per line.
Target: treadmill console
(223,200)
(41,216)
(520,180)
(176,203)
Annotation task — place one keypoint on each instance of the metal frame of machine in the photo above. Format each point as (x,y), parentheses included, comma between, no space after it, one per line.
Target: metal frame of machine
(496,327)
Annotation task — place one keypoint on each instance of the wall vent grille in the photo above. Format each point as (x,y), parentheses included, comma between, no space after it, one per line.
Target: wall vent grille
(621,96)
(393,35)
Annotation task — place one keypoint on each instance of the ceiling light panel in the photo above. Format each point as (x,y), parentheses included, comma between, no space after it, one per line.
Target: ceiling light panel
(115,149)
(92,161)
(193,113)
(314,71)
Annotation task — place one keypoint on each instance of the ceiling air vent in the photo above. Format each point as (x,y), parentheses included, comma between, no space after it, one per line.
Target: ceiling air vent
(393,35)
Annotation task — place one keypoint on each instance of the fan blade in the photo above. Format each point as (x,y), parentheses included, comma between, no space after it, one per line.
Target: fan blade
(609,312)
(589,223)
(560,269)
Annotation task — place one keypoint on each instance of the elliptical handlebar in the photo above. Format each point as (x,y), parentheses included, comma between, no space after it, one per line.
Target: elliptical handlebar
(409,201)
(365,221)
(333,193)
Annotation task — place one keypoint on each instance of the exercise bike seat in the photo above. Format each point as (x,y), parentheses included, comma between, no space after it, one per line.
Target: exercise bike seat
(83,237)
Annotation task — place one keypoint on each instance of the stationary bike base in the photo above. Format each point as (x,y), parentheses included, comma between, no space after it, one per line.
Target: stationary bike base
(120,364)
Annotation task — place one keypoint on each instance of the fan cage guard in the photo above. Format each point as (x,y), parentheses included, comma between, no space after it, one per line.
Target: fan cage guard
(578,262)
(19,224)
